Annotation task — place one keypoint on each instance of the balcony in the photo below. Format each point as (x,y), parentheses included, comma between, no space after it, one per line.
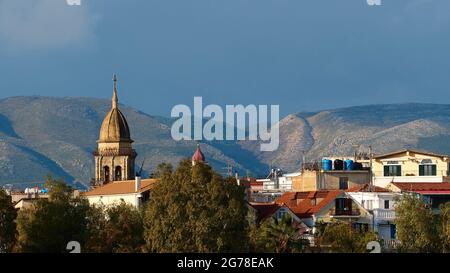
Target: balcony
(344,212)
(384,214)
(391,244)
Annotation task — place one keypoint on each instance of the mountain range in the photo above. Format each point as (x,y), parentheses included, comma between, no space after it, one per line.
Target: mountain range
(50,135)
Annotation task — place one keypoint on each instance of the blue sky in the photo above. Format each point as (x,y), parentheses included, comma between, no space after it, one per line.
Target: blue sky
(301,54)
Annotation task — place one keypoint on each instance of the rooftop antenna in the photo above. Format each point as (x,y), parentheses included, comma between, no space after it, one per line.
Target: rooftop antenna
(370,168)
(140,169)
(229,169)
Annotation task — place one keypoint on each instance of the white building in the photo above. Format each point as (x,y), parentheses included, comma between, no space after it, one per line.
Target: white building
(380,203)
(133,192)
(278,182)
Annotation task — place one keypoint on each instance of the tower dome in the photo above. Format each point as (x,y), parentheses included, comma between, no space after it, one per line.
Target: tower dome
(114,127)
(198,155)
(115,156)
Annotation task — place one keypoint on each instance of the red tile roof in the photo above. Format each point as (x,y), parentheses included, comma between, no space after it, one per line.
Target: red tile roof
(265,210)
(417,186)
(121,187)
(303,204)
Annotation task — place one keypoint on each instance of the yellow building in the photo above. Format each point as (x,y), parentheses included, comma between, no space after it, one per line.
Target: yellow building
(409,166)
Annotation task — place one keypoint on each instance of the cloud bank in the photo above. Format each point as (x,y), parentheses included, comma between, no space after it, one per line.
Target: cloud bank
(44,24)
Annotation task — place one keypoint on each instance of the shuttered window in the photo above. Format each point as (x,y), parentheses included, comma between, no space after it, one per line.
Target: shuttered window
(392,170)
(427,170)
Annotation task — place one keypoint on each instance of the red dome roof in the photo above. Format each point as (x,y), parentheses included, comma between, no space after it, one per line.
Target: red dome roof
(198,155)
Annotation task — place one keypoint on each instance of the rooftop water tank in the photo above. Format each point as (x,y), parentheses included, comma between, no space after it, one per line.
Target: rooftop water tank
(327,165)
(349,164)
(338,164)
(357,166)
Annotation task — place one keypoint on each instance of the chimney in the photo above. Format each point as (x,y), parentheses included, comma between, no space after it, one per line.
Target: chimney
(137,184)
(236,175)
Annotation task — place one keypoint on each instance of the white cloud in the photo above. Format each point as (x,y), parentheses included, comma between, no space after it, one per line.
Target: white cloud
(43,24)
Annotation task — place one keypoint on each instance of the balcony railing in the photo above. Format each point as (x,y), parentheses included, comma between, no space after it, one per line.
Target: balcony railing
(344,212)
(391,244)
(386,214)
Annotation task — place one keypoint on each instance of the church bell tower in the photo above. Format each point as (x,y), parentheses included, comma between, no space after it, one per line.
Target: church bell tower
(115,156)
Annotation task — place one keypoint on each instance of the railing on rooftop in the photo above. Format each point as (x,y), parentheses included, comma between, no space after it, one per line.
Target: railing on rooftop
(388,214)
(345,212)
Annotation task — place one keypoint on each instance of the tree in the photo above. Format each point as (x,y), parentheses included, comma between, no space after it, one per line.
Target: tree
(162,169)
(7,223)
(51,223)
(416,225)
(343,238)
(193,209)
(281,236)
(117,228)
(444,229)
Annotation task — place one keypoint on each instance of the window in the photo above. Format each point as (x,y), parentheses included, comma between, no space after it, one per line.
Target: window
(427,170)
(343,183)
(359,227)
(393,231)
(386,204)
(343,205)
(280,213)
(392,170)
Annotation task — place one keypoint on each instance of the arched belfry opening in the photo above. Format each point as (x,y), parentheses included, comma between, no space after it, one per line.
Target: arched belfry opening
(106,174)
(114,146)
(118,174)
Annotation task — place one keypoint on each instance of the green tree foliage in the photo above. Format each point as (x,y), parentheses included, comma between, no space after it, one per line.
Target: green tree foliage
(162,169)
(444,226)
(51,223)
(416,225)
(343,238)
(193,209)
(7,223)
(281,236)
(117,228)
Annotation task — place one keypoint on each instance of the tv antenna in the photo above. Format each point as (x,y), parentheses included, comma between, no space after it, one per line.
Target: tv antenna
(140,169)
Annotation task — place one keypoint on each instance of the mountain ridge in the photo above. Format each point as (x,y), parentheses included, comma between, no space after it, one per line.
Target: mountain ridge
(41,135)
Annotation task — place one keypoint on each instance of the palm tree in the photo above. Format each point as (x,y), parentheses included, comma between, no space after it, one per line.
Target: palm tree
(282,236)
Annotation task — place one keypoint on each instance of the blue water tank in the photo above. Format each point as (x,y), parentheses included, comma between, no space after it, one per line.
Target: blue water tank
(327,165)
(349,164)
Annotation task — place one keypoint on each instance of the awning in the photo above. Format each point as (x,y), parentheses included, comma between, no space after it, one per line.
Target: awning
(445,192)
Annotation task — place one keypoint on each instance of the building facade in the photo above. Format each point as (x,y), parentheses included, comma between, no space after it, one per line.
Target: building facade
(409,166)
(380,203)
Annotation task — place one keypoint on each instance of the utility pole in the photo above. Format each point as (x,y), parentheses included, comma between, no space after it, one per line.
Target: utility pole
(356,146)
(303,160)
(370,169)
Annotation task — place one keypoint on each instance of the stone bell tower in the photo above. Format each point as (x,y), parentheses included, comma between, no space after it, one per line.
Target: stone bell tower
(115,156)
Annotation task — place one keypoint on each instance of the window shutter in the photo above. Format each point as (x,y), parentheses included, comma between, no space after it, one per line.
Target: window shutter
(421,170)
(399,171)
(433,169)
(386,170)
